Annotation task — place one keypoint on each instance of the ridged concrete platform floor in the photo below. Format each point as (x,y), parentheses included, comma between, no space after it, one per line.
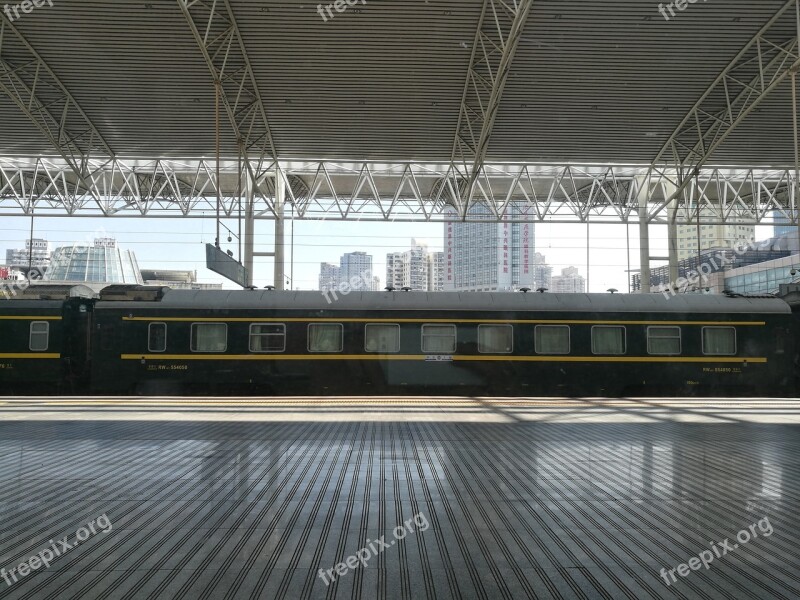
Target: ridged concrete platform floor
(249,498)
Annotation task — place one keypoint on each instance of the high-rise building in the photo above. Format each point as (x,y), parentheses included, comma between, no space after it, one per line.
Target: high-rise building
(542,272)
(409,269)
(354,271)
(328,277)
(488,256)
(36,254)
(569,282)
(711,236)
(436,271)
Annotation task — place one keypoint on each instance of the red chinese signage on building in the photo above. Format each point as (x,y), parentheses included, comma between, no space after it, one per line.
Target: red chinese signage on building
(449,252)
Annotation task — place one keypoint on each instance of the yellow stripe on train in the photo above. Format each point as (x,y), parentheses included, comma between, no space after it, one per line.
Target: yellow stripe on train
(479,321)
(30,355)
(454,358)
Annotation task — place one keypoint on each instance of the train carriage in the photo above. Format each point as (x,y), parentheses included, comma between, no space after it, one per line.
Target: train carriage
(267,342)
(44,342)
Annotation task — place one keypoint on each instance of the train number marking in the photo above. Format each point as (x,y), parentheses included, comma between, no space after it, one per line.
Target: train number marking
(438,358)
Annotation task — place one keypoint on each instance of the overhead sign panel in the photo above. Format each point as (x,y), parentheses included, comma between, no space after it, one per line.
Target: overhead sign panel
(225,265)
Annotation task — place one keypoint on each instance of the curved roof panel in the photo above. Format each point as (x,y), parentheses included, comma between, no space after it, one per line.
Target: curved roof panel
(592,80)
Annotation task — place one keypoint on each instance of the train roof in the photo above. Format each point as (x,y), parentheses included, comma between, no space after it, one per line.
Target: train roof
(466,301)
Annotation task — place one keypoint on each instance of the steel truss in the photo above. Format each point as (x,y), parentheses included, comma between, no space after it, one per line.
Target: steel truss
(493,50)
(30,83)
(757,70)
(216,32)
(90,163)
(367,191)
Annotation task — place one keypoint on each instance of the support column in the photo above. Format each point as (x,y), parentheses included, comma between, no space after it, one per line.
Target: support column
(249,227)
(280,201)
(795,190)
(796,187)
(672,230)
(644,234)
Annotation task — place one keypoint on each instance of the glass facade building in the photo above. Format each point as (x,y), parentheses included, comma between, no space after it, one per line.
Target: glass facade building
(782,224)
(102,263)
(763,278)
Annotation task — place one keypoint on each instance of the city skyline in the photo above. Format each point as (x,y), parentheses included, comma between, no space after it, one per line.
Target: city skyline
(178,244)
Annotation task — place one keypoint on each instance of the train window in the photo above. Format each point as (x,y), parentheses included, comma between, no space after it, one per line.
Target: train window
(209,337)
(267,337)
(719,341)
(325,337)
(664,340)
(381,337)
(551,339)
(495,339)
(40,336)
(438,339)
(608,339)
(157,337)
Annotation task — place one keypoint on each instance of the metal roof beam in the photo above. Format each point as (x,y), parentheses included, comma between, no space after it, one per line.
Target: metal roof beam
(38,92)
(214,28)
(493,49)
(372,191)
(216,32)
(758,69)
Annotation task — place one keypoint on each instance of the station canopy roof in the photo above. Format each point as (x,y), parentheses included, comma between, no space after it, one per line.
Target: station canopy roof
(592,81)
(466,86)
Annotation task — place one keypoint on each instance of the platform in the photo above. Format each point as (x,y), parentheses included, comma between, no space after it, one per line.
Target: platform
(471,497)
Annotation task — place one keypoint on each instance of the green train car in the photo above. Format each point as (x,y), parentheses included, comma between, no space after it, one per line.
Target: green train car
(258,342)
(44,344)
(157,341)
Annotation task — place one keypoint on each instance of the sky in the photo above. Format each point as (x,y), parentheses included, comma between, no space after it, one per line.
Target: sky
(180,244)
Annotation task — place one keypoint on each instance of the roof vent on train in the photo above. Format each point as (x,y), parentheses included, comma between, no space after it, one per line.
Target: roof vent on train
(38,291)
(139,293)
(790,293)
